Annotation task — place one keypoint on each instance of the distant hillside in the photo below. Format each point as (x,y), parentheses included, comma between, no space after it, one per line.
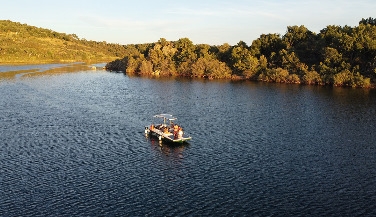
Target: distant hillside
(21,43)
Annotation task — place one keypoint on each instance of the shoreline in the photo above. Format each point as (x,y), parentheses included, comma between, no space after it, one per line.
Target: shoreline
(235,78)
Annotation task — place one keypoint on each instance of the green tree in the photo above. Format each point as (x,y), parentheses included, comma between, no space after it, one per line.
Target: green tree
(268,45)
(278,75)
(295,35)
(364,50)
(146,67)
(240,59)
(311,77)
(290,61)
(185,56)
(370,20)
(253,70)
(223,53)
(162,57)
(303,43)
(243,63)
(185,51)
(210,68)
(203,51)
(342,78)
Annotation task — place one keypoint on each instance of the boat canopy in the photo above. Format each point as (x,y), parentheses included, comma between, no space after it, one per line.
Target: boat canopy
(165,116)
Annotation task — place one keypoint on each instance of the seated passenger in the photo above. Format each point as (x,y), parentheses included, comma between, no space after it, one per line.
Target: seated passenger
(165,130)
(176,129)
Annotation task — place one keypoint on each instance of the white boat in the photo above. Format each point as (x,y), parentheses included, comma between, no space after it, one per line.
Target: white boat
(167,130)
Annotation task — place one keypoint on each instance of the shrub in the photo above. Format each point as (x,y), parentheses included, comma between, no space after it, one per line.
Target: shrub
(311,77)
(293,78)
(343,78)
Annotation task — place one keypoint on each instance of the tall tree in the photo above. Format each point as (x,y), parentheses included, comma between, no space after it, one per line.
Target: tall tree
(370,20)
(268,45)
(240,58)
(185,51)
(224,52)
(295,35)
(161,57)
(185,56)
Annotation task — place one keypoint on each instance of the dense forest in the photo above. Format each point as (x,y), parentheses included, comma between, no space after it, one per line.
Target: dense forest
(339,56)
(21,43)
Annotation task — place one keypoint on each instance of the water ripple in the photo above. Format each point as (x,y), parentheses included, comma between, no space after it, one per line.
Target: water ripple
(73,145)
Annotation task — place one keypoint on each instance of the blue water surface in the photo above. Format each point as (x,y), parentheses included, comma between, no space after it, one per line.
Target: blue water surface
(73,144)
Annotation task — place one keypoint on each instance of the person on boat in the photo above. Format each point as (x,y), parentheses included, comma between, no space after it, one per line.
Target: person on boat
(176,130)
(180,133)
(165,130)
(152,127)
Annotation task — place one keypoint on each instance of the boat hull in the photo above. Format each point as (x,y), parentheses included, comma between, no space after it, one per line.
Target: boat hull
(168,137)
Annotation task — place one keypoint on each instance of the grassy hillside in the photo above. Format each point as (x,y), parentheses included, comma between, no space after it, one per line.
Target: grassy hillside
(21,43)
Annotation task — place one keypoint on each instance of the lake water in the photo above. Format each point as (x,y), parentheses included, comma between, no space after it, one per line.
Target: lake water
(73,144)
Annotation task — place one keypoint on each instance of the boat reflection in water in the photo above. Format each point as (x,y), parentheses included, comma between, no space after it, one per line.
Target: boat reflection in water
(167,150)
